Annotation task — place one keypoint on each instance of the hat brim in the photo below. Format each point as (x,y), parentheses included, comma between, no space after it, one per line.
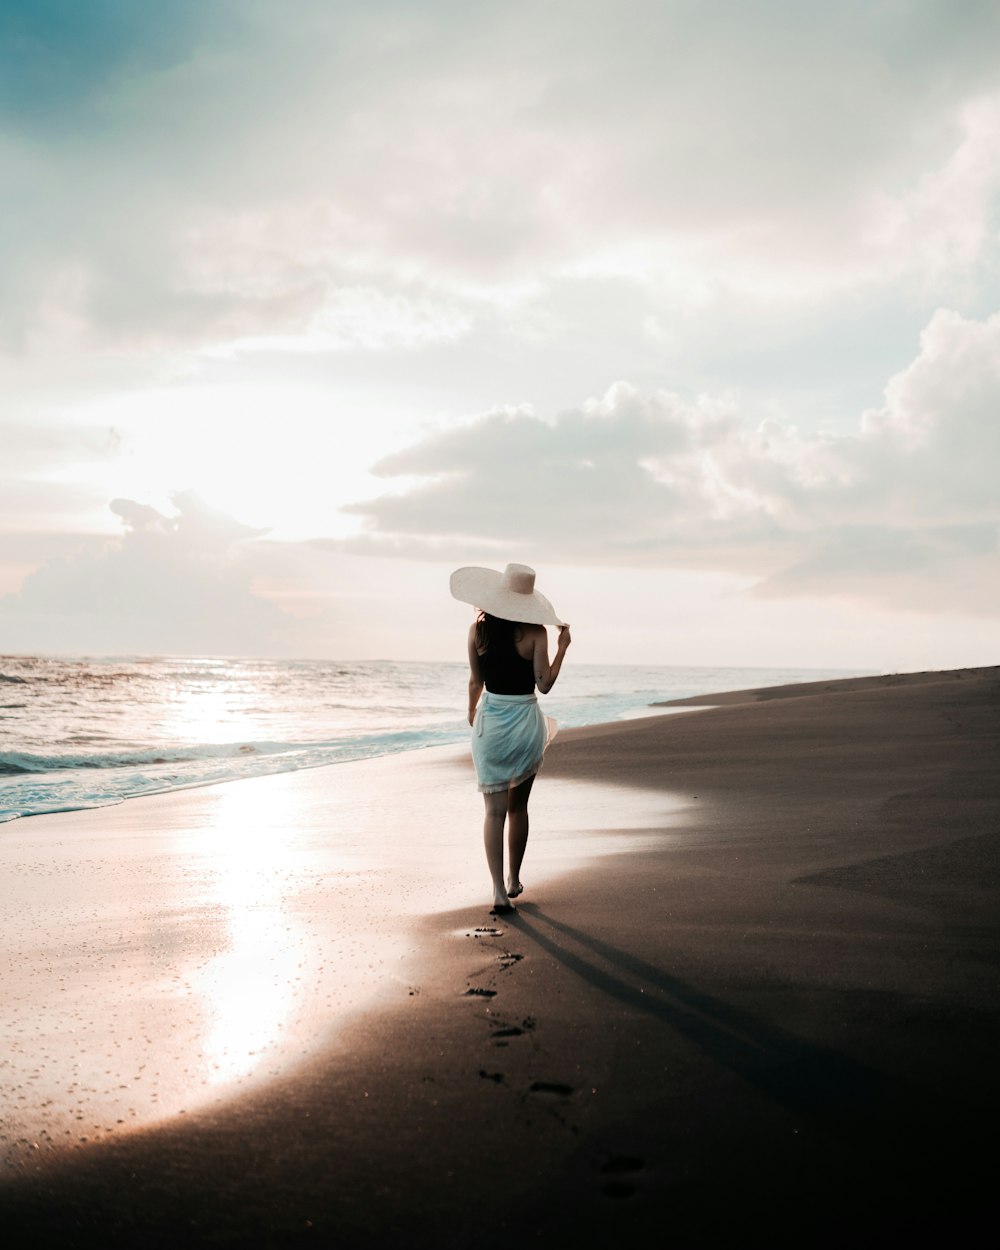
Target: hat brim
(484,589)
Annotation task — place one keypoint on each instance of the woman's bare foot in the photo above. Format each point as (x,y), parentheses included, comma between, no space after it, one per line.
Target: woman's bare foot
(514,889)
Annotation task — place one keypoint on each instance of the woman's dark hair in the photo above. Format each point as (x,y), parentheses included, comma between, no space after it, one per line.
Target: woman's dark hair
(490,629)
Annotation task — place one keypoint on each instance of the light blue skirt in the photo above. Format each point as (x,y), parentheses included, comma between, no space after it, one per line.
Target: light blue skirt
(509,737)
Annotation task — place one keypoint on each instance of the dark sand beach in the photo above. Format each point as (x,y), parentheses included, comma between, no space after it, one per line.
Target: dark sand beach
(749,997)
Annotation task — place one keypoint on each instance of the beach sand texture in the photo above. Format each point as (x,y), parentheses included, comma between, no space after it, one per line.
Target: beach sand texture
(749,997)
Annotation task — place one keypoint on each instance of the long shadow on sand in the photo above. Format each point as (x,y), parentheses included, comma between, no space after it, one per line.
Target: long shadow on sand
(809,1079)
(886,1157)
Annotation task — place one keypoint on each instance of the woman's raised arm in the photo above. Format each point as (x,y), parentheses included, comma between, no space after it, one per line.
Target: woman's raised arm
(546,673)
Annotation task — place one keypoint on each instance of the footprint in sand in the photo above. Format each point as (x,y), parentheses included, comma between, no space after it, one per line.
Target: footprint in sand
(512,1030)
(619,1173)
(475,991)
(555,1088)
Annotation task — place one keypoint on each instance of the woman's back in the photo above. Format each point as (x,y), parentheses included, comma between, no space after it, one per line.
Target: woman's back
(504,670)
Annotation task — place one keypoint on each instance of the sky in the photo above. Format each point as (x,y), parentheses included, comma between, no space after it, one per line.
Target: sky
(692,305)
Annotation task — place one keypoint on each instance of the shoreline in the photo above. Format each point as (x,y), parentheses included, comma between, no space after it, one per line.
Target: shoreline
(138,757)
(780,988)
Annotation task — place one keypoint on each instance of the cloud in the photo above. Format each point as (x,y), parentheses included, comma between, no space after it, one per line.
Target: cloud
(171,584)
(196,527)
(420,160)
(364,319)
(904,511)
(946,218)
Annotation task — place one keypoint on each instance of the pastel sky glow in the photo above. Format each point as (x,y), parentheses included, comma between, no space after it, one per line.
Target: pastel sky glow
(692,304)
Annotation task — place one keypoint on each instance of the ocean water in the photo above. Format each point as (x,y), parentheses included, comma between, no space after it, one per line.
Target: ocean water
(78,733)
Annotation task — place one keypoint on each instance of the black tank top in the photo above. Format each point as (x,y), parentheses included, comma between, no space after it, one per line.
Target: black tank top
(504,671)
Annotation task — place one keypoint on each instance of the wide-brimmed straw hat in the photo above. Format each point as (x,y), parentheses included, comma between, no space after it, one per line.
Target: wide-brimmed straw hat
(511,595)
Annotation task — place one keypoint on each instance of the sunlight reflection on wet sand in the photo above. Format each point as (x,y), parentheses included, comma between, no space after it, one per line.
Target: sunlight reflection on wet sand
(167,952)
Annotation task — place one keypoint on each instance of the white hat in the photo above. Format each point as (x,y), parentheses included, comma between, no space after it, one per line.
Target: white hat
(511,595)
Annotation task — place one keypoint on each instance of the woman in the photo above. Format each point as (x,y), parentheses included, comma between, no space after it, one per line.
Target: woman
(509,655)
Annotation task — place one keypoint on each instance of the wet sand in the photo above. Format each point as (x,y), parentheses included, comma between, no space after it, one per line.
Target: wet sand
(750,996)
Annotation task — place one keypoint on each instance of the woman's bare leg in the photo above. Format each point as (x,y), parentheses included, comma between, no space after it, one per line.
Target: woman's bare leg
(517,834)
(496,813)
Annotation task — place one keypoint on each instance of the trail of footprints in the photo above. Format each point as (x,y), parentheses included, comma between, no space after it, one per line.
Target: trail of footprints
(619,1173)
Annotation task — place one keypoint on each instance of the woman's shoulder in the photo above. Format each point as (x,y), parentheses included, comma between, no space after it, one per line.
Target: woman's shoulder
(526,639)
